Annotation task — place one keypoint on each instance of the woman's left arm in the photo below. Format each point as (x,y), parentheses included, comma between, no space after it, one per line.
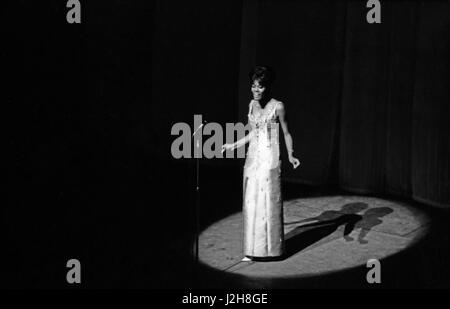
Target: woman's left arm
(287,136)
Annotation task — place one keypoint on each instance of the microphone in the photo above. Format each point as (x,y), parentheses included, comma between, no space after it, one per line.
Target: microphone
(201,125)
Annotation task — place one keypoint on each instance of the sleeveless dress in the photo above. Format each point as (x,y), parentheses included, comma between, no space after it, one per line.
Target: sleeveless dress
(262,200)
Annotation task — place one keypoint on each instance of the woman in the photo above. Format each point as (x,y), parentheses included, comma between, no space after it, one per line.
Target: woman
(262,200)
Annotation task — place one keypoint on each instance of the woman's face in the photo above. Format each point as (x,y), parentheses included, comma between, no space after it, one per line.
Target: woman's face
(257,90)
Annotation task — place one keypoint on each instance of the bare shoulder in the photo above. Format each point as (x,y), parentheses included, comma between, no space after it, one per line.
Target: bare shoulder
(279,104)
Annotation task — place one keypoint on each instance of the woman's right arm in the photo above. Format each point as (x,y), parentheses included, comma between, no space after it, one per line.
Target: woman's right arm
(245,139)
(240,142)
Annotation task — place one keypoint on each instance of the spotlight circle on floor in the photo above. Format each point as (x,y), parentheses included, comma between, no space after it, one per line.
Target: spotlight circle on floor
(316,240)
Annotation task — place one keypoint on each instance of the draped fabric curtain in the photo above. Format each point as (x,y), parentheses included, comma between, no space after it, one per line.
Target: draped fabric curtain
(367,104)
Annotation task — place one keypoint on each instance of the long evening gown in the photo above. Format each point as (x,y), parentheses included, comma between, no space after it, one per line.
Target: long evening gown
(262,199)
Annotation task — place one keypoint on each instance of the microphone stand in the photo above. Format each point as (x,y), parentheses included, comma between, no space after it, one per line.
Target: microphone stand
(197,203)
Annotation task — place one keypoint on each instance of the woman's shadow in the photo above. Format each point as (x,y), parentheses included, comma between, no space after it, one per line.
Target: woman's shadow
(313,230)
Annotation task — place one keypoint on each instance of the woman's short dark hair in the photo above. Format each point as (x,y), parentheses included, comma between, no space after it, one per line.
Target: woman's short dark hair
(263,74)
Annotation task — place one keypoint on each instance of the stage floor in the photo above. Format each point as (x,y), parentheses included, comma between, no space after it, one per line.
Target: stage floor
(324,235)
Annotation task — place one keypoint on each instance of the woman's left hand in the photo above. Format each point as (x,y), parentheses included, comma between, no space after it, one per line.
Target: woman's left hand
(294,161)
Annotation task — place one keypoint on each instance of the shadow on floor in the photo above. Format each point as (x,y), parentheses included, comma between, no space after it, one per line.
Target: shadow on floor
(318,228)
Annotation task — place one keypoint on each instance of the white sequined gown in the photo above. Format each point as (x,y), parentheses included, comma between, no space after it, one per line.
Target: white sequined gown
(262,200)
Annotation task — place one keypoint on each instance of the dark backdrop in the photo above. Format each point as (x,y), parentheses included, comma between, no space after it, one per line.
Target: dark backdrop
(368,103)
(88,110)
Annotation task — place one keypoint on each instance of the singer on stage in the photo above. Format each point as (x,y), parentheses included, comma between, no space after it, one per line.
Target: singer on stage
(262,198)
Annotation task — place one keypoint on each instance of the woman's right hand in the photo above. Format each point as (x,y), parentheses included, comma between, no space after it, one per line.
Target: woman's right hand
(227,147)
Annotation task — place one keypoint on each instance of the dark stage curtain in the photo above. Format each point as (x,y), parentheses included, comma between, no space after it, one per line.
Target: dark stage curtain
(367,103)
